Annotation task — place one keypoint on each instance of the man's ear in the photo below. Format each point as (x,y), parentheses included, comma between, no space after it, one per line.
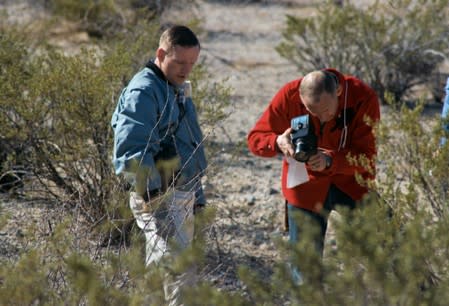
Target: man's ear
(339,90)
(160,54)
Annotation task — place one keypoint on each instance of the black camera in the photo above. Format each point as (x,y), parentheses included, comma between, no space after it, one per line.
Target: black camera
(303,138)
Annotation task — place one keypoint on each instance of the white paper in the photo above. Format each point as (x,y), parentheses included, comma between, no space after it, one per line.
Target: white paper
(297,173)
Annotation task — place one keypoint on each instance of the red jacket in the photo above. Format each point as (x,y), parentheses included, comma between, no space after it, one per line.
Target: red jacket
(362,103)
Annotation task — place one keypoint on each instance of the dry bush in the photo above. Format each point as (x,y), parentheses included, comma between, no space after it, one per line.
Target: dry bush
(392,45)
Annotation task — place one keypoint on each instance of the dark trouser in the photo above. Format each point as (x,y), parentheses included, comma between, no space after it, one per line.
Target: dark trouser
(334,197)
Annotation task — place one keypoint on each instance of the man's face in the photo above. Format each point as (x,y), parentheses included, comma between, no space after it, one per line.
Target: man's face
(325,108)
(177,63)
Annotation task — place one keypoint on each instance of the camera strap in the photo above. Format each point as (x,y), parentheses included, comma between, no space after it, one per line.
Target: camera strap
(344,132)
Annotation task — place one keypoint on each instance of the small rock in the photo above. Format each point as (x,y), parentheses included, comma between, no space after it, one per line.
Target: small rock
(273,191)
(20,234)
(250,200)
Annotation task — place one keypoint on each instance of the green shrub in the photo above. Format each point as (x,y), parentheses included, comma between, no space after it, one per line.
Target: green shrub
(58,107)
(391,45)
(412,163)
(105,19)
(100,19)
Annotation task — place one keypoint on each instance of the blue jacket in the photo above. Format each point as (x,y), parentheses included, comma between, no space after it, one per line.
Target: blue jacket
(445,112)
(152,115)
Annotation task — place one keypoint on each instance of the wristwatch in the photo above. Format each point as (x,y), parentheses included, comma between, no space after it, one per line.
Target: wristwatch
(328,161)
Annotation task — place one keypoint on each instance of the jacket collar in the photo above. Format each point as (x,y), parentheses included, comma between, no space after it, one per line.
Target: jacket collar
(151,65)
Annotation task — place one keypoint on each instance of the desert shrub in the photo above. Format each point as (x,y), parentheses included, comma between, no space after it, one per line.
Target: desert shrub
(108,18)
(13,77)
(99,18)
(377,259)
(158,6)
(59,272)
(391,45)
(393,252)
(69,269)
(412,162)
(57,108)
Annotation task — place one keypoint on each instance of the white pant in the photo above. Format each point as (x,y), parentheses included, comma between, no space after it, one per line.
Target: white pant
(173,220)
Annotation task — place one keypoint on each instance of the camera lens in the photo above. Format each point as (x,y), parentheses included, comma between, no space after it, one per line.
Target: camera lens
(301,152)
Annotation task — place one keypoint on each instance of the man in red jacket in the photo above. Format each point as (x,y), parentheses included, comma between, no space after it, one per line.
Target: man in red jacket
(342,112)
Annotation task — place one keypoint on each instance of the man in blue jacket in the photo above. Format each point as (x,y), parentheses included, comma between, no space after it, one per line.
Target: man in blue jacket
(158,144)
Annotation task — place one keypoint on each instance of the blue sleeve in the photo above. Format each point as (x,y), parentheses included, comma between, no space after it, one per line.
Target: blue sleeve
(136,137)
(445,112)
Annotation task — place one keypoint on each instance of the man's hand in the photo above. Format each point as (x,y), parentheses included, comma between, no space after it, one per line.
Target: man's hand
(142,205)
(318,162)
(284,143)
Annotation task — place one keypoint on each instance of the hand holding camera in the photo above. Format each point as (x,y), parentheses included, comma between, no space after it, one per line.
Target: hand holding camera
(305,144)
(284,143)
(300,142)
(319,162)
(303,138)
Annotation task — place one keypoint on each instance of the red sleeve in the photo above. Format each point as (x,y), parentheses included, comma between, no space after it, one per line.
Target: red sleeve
(361,139)
(273,122)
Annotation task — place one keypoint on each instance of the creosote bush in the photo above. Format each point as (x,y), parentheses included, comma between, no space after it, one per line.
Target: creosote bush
(391,45)
(59,113)
(412,162)
(105,19)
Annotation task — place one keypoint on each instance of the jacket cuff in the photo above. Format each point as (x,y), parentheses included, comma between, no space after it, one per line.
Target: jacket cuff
(272,145)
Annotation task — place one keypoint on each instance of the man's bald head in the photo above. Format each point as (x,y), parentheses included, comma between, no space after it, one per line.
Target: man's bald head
(319,91)
(315,83)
